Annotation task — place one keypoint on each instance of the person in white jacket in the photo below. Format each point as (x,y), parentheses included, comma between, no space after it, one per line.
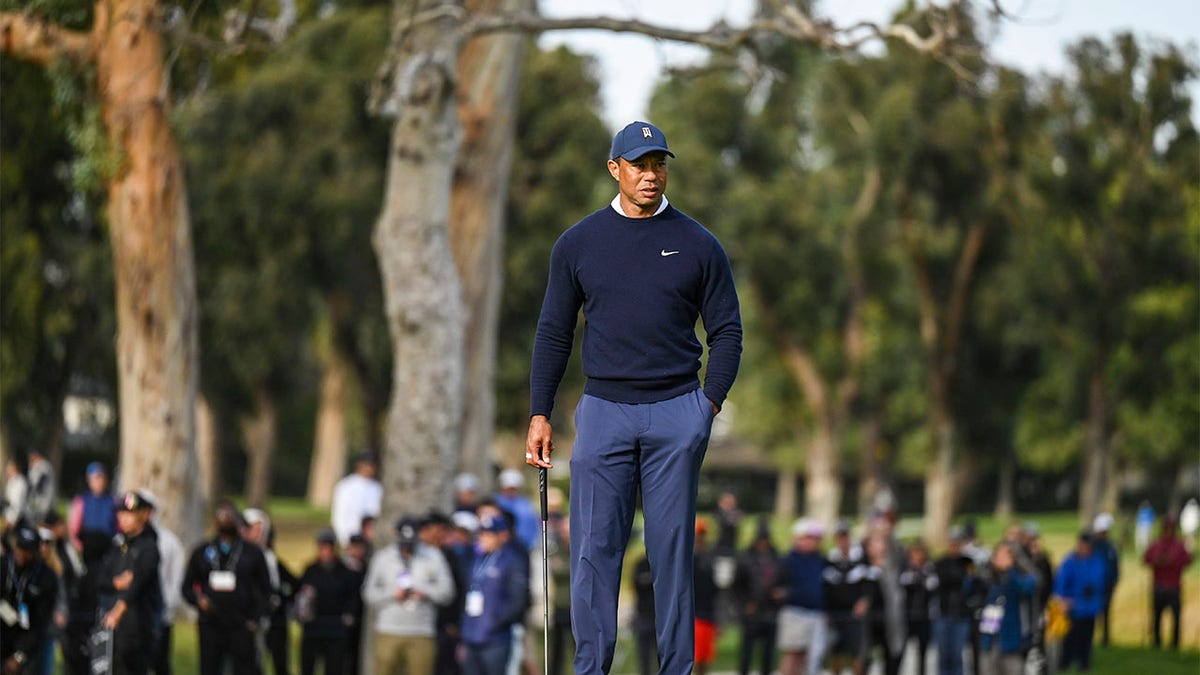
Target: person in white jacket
(406,583)
(355,496)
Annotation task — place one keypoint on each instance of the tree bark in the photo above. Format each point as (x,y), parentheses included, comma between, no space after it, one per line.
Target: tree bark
(152,258)
(208,452)
(1096,450)
(870,465)
(941,498)
(785,493)
(422,291)
(488,71)
(330,440)
(258,437)
(1006,488)
(823,484)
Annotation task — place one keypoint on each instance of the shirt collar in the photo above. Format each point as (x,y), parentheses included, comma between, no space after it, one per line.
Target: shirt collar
(616,205)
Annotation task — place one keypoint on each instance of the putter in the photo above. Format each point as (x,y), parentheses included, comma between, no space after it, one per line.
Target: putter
(545,572)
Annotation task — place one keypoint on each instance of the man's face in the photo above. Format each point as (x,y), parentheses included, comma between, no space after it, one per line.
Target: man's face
(132,522)
(326,553)
(97,483)
(367,469)
(807,544)
(642,181)
(843,541)
(22,557)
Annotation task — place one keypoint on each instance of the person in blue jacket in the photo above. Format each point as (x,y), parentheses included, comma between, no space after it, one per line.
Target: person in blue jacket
(1004,624)
(1081,585)
(496,599)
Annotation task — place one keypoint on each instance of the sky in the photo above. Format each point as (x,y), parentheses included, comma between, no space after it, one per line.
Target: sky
(631,65)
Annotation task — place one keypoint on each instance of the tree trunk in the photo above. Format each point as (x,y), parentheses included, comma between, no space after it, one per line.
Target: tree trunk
(785,493)
(823,484)
(330,438)
(489,71)
(1006,489)
(1095,452)
(1111,497)
(941,494)
(208,453)
(258,436)
(422,292)
(870,465)
(152,259)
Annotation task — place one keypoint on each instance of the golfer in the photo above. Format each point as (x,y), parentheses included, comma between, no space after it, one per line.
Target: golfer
(642,272)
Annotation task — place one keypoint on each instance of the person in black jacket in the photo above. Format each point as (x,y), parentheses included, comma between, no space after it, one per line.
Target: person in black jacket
(326,603)
(759,597)
(28,591)
(228,583)
(844,604)
(129,590)
(956,598)
(80,589)
(919,582)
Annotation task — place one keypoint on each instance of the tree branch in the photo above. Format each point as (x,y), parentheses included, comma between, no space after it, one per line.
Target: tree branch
(33,38)
(785,19)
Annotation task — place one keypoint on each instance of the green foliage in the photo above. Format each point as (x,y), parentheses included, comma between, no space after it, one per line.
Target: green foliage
(56,307)
(285,172)
(558,176)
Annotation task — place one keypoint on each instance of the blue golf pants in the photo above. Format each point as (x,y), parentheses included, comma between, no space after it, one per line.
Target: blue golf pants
(617,446)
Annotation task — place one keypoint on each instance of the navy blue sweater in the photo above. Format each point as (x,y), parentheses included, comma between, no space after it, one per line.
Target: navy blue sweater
(642,283)
(803,580)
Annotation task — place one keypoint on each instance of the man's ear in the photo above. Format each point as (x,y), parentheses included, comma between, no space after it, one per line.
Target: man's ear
(613,167)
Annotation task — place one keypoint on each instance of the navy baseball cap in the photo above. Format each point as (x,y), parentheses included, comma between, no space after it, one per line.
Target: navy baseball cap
(636,139)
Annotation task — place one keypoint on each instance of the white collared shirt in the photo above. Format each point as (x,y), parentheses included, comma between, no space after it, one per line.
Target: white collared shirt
(616,204)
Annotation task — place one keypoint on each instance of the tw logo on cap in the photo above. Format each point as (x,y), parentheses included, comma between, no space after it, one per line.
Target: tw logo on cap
(646,133)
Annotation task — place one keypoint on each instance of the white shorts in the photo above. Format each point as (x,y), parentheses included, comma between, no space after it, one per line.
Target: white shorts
(800,630)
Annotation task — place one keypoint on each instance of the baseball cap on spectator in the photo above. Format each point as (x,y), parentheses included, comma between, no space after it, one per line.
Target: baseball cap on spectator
(842,526)
(150,498)
(958,533)
(465,520)
(1031,530)
(1102,523)
(435,517)
(326,536)
(95,468)
(132,501)
(637,139)
(493,524)
(406,531)
(807,527)
(27,538)
(511,479)
(464,482)
(357,538)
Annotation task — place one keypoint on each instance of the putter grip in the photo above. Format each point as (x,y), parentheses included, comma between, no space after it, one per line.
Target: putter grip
(542,490)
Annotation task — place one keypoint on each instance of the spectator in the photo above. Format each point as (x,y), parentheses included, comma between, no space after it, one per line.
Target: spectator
(49,554)
(725,561)
(884,598)
(1031,542)
(706,600)
(1103,547)
(129,589)
(466,493)
(560,581)
(528,528)
(172,561)
(844,605)
(16,492)
(43,489)
(497,596)
(643,618)
(460,552)
(327,602)
(354,497)
(258,531)
(1080,585)
(802,627)
(405,585)
(957,587)
(93,515)
(1167,558)
(80,599)
(25,582)
(1004,623)
(919,582)
(355,558)
(366,533)
(759,596)
(228,583)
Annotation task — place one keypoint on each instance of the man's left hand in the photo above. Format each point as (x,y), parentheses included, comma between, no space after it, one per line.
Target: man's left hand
(114,615)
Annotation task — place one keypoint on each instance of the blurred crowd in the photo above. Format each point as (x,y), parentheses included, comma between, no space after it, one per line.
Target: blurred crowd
(461,593)
(870,597)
